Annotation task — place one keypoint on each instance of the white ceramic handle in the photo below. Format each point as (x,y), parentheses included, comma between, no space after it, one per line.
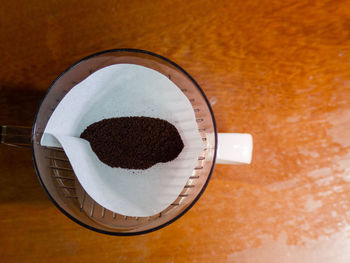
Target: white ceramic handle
(234,148)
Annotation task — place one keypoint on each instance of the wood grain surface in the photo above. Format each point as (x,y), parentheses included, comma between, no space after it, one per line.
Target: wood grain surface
(276,69)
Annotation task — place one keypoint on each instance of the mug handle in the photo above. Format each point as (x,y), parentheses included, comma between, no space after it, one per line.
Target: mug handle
(234,148)
(17,136)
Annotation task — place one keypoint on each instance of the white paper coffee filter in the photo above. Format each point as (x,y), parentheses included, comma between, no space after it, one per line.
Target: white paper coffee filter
(116,91)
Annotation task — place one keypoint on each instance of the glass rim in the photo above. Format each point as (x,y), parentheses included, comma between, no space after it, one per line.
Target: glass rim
(126,50)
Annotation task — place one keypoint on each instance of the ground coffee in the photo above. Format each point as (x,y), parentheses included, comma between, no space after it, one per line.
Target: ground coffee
(133,142)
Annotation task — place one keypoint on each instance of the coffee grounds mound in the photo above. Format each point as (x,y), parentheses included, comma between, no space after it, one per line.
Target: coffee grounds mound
(133,142)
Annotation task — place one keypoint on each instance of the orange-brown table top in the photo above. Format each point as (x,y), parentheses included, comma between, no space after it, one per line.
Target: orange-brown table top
(276,69)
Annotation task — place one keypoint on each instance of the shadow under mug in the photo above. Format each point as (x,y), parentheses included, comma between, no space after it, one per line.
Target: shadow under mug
(57,176)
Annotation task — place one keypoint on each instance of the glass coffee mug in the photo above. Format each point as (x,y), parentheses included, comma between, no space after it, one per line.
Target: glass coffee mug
(57,176)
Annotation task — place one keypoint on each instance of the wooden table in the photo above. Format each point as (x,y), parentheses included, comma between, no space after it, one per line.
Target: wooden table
(276,69)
